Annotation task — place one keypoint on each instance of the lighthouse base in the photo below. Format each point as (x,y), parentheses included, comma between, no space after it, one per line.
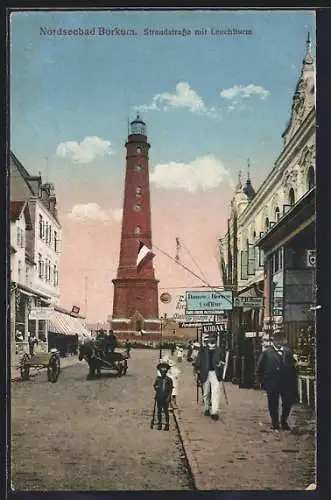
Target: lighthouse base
(135,307)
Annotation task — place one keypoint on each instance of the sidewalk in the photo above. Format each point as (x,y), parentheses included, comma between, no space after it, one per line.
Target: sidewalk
(240,451)
(64,363)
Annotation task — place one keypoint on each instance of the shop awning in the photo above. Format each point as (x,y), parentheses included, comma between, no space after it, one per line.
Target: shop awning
(65,324)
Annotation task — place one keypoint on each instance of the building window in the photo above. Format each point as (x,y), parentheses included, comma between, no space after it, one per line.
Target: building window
(18,237)
(40,266)
(55,276)
(138,191)
(27,275)
(50,235)
(266,223)
(137,207)
(291,197)
(243,264)
(137,168)
(277,214)
(41,224)
(311,178)
(46,232)
(137,231)
(55,241)
(19,271)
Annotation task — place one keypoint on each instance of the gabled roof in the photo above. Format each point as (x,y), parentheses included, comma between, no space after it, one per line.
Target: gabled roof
(16,210)
(24,173)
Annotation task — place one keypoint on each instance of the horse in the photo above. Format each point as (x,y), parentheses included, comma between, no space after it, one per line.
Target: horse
(89,352)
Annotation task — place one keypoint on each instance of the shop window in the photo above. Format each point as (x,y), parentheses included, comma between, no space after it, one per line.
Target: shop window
(291,197)
(311,178)
(276,262)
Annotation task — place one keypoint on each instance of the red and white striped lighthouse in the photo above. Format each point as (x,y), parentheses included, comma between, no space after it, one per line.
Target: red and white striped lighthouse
(135,305)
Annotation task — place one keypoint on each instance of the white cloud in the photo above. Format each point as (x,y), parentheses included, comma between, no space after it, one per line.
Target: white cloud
(183,97)
(117,214)
(238,93)
(203,173)
(85,151)
(90,211)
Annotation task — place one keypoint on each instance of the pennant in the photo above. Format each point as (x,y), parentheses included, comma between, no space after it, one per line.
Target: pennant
(144,255)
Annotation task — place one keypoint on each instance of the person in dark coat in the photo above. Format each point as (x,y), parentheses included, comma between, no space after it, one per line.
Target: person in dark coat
(276,372)
(111,341)
(163,387)
(127,348)
(209,368)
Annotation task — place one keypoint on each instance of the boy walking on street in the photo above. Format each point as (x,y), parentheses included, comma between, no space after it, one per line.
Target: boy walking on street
(163,387)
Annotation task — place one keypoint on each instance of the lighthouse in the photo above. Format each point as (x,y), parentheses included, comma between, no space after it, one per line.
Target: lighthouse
(135,303)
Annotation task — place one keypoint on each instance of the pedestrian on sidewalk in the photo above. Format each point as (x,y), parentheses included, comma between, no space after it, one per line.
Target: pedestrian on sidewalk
(32,341)
(179,353)
(174,374)
(209,367)
(276,372)
(163,386)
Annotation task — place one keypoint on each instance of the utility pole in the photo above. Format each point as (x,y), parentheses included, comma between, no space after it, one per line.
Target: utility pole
(86,284)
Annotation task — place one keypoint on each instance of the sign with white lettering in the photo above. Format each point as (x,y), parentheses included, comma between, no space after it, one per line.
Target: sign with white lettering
(42,313)
(213,328)
(251,302)
(208,302)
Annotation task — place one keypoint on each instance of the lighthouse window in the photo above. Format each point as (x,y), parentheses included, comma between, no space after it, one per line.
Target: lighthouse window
(138,149)
(137,168)
(137,230)
(137,207)
(138,191)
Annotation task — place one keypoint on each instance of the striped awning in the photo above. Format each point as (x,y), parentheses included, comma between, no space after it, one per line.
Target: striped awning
(65,324)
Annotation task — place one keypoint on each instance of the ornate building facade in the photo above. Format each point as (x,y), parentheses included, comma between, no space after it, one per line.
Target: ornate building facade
(268,249)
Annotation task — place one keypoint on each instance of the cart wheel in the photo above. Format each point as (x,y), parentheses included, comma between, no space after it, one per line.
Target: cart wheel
(119,368)
(53,369)
(24,370)
(124,367)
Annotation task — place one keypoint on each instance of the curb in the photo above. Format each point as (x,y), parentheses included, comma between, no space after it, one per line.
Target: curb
(191,463)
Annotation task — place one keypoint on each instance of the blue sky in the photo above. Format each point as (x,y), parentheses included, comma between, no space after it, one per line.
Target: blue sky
(67,88)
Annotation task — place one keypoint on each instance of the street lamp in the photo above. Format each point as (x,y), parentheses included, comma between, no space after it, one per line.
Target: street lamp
(161,339)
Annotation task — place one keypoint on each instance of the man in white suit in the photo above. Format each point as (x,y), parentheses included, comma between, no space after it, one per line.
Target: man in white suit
(209,368)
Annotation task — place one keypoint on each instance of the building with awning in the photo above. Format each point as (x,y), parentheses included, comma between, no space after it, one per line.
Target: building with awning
(268,251)
(62,322)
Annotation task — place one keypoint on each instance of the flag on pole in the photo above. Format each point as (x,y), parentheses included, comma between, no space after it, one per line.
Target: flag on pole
(144,255)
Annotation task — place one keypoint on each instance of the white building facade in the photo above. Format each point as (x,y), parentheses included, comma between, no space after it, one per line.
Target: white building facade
(271,232)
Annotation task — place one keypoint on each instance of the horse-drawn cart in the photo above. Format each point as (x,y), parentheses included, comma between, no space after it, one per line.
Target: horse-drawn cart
(98,359)
(49,360)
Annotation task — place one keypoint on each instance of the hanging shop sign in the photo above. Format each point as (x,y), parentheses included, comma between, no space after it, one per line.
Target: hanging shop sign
(250,302)
(212,328)
(208,302)
(165,298)
(41,313)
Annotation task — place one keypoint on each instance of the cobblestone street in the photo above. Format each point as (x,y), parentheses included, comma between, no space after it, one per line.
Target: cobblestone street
(93,435)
